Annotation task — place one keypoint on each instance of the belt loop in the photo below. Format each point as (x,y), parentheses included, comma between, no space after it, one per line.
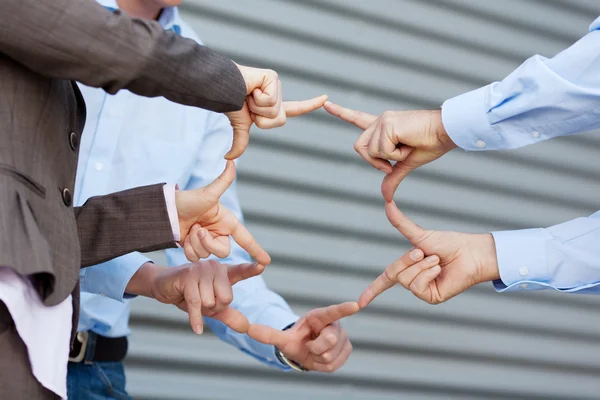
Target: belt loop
(90,351)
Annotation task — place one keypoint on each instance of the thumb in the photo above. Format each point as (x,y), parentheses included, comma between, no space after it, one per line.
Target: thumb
(405,225)
(267,335)
(216,188)
(241,121)
(400,171)
(240,272)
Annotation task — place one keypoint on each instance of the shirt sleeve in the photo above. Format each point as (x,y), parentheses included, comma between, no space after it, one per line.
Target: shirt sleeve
(169,191)
(543,98)
(563,257)
(111,278)
(251,297)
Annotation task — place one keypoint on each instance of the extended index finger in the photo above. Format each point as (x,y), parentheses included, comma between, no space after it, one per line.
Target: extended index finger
(389,277)
(321,317)
(295,108)
(358,118)
(244,238)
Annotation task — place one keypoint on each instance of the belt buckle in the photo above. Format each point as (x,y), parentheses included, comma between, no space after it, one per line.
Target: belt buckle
(82,337)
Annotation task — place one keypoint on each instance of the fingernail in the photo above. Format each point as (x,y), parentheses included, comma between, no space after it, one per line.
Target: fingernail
(201,233)
(436,269)
(328,102)
(416,255)
(431,259)
(198,329)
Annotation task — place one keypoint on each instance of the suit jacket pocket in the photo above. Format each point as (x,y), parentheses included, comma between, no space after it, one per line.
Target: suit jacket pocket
(24,179)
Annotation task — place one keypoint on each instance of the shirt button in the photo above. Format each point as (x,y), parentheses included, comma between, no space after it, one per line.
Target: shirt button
(535,134)
(73,141)
(481,144)
(99,166)
(112,113)
(67,197)
(523,271)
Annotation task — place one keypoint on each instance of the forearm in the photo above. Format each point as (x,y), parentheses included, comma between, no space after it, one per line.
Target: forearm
(80,40)
(111,279)
(542,99)
(563,257)
(120,223)
(142,281)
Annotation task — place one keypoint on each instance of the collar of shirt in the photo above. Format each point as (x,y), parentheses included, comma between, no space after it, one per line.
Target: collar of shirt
(169,17)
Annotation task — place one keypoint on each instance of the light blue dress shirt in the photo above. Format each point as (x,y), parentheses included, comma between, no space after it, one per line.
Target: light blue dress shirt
(542,99)
(131,141)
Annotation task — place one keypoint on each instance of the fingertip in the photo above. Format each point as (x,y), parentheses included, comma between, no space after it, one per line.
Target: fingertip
(363,301)
(437,269)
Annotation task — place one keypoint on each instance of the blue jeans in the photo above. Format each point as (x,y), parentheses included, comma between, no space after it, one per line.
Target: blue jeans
(96,381)
(93,380)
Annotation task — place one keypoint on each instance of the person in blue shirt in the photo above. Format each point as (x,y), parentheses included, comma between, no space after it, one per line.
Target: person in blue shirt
(131,141)
(542,99)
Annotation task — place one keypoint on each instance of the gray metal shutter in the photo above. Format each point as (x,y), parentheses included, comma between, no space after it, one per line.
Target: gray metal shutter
(312,202)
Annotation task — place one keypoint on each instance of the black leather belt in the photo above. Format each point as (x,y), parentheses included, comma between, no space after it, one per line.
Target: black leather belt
(89,346)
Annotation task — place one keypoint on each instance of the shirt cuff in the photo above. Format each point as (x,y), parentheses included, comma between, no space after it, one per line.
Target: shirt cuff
(110,279)
(466,122)
(522,260)
(169,191)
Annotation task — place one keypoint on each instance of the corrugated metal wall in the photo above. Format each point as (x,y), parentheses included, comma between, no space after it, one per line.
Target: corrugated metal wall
(315,205)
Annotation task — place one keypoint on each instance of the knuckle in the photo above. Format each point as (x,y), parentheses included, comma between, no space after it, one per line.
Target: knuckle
(209,303)
(329,368)
(226,299)
(326,357)
(390,275)
(331,340)
(403,281)
(195,302)
(414,288)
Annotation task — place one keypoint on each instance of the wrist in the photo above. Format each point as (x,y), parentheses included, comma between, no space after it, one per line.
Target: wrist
(488,265)
(142,282)
(442,134)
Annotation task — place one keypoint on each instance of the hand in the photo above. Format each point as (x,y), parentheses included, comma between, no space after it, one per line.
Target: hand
(264,107)
(411,138)
(317,341)
(456,262)
(205,224)
(200,288)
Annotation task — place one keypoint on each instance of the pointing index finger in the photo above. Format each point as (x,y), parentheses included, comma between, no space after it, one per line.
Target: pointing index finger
(296,108)
(247,242)
(321,317)
(359,119)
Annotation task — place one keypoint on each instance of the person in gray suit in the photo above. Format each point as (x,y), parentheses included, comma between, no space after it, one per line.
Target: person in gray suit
(44,47)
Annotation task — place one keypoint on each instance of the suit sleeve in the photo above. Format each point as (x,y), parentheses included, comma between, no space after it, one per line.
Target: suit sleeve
(119,223)
(82,41)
